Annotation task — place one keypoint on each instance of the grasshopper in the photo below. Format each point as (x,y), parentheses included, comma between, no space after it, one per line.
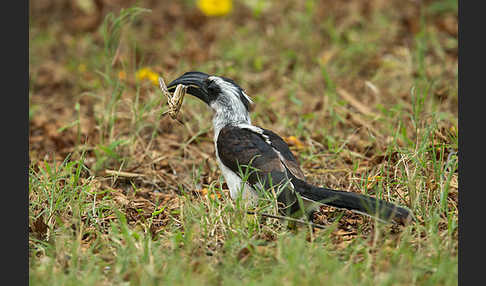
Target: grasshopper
(175,100)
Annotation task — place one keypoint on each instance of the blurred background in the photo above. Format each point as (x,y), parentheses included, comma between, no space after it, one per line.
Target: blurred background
(309,66)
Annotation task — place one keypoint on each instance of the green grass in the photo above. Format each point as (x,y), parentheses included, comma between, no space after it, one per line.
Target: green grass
(169,219)
(216,242)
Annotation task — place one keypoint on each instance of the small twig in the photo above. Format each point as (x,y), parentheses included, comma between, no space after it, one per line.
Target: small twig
(288,218)
(356,118)
(123,174)
(355,103)
(117,55)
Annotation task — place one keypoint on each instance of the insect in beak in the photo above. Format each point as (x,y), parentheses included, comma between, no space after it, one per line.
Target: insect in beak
(175,100)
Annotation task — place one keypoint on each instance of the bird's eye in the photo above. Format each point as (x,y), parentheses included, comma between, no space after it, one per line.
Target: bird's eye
(212,86)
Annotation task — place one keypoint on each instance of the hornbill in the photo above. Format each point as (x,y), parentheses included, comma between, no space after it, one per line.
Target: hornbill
(253,159)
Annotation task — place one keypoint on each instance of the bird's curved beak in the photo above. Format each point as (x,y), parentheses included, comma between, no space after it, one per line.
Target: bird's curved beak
(195,82)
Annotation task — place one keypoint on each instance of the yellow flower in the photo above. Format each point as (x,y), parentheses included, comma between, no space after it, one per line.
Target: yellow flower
(147,73)
(215,7)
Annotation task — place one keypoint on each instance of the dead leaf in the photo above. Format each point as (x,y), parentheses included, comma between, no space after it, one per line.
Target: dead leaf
(294,141)
(203,191)
(39,228)
(326,56)
(243,254)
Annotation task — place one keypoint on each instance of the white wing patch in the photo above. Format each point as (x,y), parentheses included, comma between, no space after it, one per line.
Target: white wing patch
(257,130)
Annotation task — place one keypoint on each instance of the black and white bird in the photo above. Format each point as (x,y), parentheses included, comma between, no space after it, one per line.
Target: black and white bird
(265,158)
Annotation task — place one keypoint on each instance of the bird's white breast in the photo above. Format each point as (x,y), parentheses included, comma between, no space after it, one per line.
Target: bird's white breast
(233,180)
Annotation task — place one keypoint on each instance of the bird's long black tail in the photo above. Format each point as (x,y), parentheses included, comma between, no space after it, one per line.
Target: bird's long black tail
(354,202)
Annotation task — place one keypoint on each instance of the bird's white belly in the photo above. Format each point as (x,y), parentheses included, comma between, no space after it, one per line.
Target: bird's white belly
(236,185)
(234,182)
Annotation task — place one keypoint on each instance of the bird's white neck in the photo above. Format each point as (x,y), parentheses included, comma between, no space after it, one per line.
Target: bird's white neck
(225,114)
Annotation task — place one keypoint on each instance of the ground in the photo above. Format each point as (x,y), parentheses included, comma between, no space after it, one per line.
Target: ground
(364,92)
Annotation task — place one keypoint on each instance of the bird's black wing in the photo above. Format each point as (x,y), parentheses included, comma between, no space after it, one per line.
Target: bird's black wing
(250,154)
(246,153)
(268,157)
(287,157)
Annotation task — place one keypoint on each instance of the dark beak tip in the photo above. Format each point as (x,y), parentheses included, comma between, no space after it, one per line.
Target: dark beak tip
(189,78)
(195,81)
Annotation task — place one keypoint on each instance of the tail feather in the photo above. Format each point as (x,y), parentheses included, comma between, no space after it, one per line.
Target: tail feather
(354,202)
